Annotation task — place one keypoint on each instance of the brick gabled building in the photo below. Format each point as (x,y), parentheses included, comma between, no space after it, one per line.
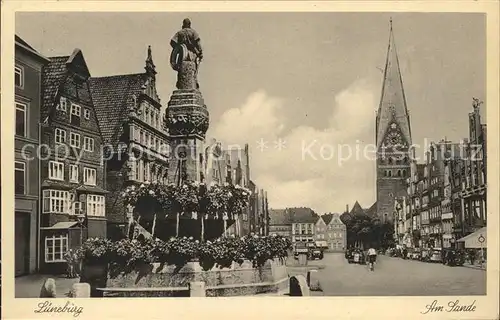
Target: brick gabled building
(73,194)
(130,115)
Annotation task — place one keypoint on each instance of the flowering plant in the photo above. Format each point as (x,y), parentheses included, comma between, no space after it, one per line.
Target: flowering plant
(215,200)
(127,255)
(94,249)
(148,197)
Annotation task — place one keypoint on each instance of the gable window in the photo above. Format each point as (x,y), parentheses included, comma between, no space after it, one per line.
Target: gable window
(21,119)
(88,144)
(95,205)
(89,176)
(55,201)
(55,248)
(60,135)
(19,76)
(74,140)
(76,112)
(63,104)
(86,114)
(20,177)
(56,170)
(73,173)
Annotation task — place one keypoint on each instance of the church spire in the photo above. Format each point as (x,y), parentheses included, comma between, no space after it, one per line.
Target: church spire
(392,106)
(150,66)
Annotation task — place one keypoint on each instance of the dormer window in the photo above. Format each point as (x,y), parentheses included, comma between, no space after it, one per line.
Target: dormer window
(63,104)
(86,114)
(76,113)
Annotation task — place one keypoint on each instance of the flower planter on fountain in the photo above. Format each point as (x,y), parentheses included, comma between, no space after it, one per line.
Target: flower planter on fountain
(233,281)
(228,266)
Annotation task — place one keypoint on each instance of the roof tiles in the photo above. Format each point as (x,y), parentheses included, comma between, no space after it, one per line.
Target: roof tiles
(53,75)
(111,96)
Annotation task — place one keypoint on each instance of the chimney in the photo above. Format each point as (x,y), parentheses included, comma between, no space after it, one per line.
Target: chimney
(346,208)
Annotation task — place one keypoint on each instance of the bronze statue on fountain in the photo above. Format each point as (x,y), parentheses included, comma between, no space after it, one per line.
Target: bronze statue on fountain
(186,56)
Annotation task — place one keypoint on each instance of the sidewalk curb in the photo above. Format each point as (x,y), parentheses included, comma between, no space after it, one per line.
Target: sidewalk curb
(474,267)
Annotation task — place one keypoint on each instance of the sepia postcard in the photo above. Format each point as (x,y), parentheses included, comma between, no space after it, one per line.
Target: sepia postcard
(304,160)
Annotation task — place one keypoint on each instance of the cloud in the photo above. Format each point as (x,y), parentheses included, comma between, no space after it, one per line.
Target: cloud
(321,168)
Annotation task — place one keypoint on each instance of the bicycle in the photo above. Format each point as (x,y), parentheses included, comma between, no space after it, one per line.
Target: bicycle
(371,263)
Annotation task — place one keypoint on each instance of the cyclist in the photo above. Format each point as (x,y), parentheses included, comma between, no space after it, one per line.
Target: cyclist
(372,257)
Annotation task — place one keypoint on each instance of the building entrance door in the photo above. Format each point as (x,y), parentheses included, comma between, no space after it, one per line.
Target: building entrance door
(22,243)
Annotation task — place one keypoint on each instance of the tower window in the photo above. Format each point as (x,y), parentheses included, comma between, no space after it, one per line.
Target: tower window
(399,173)
(390,174)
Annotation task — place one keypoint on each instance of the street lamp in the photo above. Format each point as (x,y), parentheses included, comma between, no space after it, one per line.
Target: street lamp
(81,219)
(81,215)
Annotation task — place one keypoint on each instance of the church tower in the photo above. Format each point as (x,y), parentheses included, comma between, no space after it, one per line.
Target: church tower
(393,136)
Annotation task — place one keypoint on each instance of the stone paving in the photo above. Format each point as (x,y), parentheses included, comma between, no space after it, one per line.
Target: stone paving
(29,286)
(397,277)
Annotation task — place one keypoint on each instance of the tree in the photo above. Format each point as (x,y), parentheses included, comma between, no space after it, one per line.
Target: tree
(363,231)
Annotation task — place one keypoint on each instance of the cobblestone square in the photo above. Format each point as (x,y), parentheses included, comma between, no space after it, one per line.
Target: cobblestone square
(397,277)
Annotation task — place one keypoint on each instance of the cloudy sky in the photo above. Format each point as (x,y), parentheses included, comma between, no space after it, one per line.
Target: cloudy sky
(305,84)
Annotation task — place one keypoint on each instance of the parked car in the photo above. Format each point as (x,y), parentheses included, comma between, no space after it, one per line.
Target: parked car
(453,257)
(425,255)
(414,253)
(436,255)
(300,247)
(316,253)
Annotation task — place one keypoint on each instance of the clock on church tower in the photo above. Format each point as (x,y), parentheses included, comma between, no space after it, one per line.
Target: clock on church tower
(393,139)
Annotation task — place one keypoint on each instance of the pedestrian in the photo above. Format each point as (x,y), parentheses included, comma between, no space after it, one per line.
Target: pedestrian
(48,289)
(472,256)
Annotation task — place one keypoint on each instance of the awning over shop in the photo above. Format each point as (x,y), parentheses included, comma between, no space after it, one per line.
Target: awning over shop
(473,240)
(61,225)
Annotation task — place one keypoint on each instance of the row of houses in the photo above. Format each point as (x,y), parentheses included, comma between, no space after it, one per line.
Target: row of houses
(305,225)
(81,140)
(446,198)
